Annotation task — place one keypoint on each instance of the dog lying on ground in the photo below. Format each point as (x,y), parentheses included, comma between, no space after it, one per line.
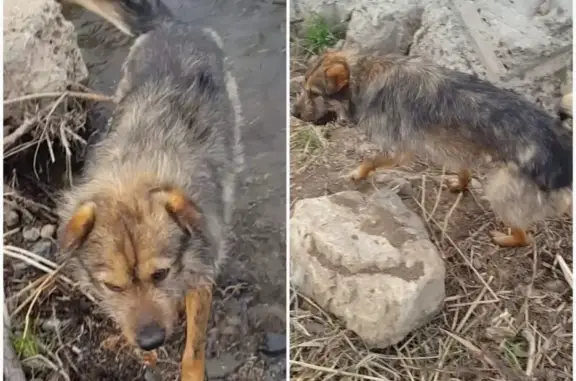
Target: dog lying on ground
(408,105)
(147,225)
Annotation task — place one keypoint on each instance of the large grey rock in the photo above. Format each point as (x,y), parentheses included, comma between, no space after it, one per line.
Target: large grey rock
(442,38)
(373,25)
(369,261)
(41,53)
(384,27)
(336,10)
(493,38)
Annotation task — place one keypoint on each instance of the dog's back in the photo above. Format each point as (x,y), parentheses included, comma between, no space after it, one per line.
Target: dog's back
(173,119)
(172,133)
(472,110)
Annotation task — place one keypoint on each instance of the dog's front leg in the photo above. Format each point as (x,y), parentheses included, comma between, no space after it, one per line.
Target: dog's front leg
(198,308)
(380,160)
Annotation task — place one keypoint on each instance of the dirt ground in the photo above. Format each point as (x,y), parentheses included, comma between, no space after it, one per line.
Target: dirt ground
(68,337)
(508,312)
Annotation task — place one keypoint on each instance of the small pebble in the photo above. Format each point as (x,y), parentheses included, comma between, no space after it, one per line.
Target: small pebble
(151,375)
(230,330)
(11,218)
(556,285)
(477,263)
(475,184)
(221,367)
(47,231)
(53,324)
(315,328)
(43,248)
(274,344)
(31,234)
(234,321)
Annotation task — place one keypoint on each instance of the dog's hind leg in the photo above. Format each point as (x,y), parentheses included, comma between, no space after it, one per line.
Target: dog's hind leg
(198,308)
(460,184)
(380,160)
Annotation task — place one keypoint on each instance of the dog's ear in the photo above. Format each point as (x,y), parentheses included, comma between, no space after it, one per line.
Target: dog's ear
(78,227)
(183,210)
(337,77)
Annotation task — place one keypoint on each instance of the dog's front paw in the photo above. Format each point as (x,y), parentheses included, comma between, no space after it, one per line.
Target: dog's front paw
(516,239)
(455,185)
(357,175)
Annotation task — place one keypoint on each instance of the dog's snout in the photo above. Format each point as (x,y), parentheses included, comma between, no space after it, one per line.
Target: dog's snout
(151,336)
(294,111)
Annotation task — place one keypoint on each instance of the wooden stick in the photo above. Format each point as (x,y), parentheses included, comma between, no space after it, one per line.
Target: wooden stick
(74,94)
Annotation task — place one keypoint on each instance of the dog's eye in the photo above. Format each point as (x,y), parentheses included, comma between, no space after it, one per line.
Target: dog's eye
(113,288)
(160,275)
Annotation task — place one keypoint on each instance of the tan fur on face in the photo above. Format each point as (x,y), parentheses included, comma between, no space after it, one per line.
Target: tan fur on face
(329,81)
(122,240)
(326,76)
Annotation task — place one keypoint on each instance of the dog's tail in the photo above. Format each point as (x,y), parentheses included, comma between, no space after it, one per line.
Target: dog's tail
(132,17)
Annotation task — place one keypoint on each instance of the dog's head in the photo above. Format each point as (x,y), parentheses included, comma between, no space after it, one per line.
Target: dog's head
(139,255)
(325,89)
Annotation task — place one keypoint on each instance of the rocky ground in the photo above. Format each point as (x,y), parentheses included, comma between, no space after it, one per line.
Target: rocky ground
(58,332)
(507,314)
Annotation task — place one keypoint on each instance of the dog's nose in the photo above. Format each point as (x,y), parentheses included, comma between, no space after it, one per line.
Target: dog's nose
(150,337)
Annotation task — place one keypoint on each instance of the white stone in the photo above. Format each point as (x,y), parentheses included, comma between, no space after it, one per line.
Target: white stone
(384,27)
(369,261)
(442,39)
(11,217)
(498,36)
(335,10)
(47,231)
(41,52)
(30,234)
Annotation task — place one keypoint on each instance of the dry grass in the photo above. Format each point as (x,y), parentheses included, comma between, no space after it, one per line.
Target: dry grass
(47,129)
(44,135)
(307,142)
(508,312)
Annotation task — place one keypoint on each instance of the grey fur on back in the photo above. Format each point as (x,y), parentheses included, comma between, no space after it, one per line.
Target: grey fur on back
(415,94)
(174,122)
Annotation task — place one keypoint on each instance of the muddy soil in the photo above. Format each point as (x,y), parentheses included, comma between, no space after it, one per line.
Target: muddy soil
(246,335)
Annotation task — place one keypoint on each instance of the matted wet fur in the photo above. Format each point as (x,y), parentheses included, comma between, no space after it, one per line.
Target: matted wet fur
(408,105)
(149,218)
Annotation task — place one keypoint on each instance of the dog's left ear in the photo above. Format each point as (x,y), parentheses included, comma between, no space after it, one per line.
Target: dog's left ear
(337,77)
(76,230)
(183,210)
